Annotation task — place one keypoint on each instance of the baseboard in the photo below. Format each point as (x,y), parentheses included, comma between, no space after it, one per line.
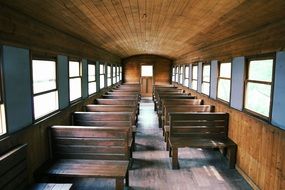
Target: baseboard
(247,178)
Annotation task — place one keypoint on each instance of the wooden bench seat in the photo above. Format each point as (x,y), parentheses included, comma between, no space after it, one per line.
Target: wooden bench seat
(183,109)
(85,151)
(107,119)
(200,130)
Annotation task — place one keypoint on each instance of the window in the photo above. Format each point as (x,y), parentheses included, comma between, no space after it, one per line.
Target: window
(224,81)
(45,93)
(109,75)
(3,128)
(74,80)
(121,70)
(91,79)
(177,74)
(118,73)
(186,76)
(181,74)
(173,74)
(114,74)
(206,79)
(146,70)
(194,77)
(259,84)
(102,76)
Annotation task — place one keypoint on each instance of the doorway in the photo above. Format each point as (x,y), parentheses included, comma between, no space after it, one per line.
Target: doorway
(146,80)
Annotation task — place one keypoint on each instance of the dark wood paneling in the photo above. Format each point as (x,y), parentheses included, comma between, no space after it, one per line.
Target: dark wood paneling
(161,68)
(20,30)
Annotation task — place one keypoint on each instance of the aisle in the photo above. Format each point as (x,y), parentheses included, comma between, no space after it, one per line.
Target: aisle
(200,169)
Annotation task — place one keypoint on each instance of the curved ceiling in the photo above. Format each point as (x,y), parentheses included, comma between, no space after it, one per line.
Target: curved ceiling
(170,28)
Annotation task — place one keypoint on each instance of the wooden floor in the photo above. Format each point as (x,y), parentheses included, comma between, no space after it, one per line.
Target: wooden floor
(199,169)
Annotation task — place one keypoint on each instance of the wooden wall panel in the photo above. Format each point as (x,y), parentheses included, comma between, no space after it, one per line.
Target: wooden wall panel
(161,67)
(23,31)
(261,147)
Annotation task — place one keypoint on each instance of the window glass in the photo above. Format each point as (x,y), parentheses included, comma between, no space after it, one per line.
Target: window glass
(194,77)
(91,87)
(146,71)
(109,76)
(261,70)
(177,74)
(91,79)
(74,68)
(173,74)
(114,74)
(224,87)
(75,88)
(91,72)
(3,127)
(2,120)
(186,77)
(225,70)
(259,84)
(41,107)
(224,82)
(195,72)
(206,79)
(74,80)
(181,74)
(121,70)
(102,76)
(44,87)
(44,75)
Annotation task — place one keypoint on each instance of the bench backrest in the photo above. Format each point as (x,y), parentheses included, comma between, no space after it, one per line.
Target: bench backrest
(199,125)
(122,93)
(113,108)
(109,108)
(186,108)
(116,96)
(95,118)
(116,102)
(13,164)
(85,142)
(176,101)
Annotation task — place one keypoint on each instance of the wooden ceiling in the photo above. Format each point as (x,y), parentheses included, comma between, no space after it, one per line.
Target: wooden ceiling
(171,28)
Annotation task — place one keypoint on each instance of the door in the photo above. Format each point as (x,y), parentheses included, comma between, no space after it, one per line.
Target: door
(146,80)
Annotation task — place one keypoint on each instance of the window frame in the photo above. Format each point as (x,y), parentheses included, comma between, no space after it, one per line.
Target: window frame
(94,64)
(44,58)
(114,75)
(203,65)
(192,79)
(173,73)
(104,72)
(4,128)
(109,77)
(120,73)
(177,74)
(246,81)
(224,78)
(74,77)
(186,77)
(181,74)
